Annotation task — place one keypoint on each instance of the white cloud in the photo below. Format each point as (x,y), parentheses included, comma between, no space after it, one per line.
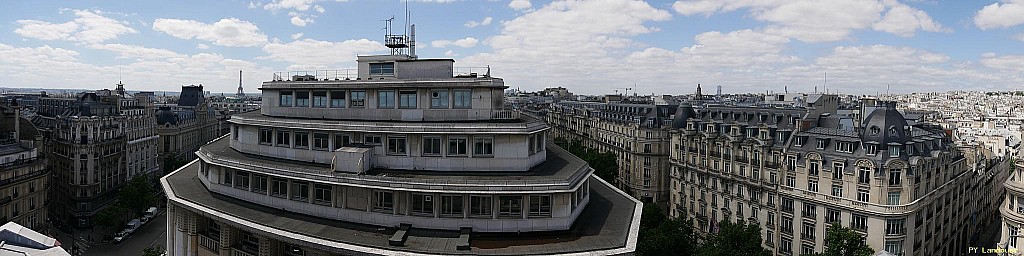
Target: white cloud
(1007,14)
(1019,37)
(1006,62)
(300,5)
(88,27)
(821,21)
(320,54)
(465,43)
(296,36)
(226,32)
(486,21)
(134,51)
(202,46)
(520,4)
(297,21)
(450,53)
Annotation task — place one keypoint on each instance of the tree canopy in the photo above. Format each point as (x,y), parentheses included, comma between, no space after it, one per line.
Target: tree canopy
(604,163)
(663,236)
(842,241)
(734,239)
(138,194)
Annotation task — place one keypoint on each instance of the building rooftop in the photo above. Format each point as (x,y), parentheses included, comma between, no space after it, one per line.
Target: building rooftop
(561,170)
(607,226)
(21,241)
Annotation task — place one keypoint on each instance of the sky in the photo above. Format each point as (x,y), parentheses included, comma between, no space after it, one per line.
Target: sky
(589,47)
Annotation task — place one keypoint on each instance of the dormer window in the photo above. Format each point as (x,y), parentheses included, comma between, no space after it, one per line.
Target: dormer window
(822,143)
(870,149)
(874,130)
(893,132)
(894,150)
(382,69)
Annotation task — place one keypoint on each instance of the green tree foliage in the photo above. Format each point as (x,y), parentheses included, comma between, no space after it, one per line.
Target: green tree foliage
(110,217)
(734,239)
(153,251)
(604,163)
(841,241)
(663,236)
(171,164)
(138,194)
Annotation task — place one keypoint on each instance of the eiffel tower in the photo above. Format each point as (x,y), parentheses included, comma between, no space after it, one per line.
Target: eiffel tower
(240,94)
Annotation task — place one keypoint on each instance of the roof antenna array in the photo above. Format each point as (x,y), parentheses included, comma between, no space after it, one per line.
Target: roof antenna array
(404,44)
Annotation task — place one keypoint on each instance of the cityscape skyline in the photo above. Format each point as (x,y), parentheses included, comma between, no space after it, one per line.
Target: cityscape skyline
(870,47)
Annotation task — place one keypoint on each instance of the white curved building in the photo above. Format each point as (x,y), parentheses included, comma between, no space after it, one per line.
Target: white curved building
(402,156)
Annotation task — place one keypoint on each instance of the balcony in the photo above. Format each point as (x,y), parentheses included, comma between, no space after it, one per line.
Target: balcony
(239,252)
(504,115)
(210,244)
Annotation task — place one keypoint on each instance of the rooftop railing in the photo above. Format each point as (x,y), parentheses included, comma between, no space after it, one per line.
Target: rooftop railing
(353,74)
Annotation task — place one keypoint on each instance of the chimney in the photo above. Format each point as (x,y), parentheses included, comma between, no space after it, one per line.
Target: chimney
(412,40)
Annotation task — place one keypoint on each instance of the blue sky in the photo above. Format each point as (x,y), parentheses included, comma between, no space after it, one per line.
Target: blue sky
(590,47)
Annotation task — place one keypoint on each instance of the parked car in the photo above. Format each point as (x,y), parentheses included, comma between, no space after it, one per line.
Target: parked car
(120,236)
(132,225)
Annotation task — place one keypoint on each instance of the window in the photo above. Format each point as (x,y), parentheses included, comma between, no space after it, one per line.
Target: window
(894,151)
(319,99)
(810,210)
(279,187)
(457,146)
(894,227)
(894,177)
(862,195)
(790,180)
(383,201)
(302,98)
(321,141)
(813,168)
(294,250)
(812,185)
(358,99)
(422,204)
(786,225)
(865,175)
(540,206)
(301,139)
(432,146)
(266,136)
(439,99)
(894,247)
(259,183)
(451,205)
(385,99)
(808,231)
(787,205)
(510,206)
(341,140)
(785,246)
(1014,232)
(322,194)
(822,143)
(337,99)
(846,147)
(407,99)
(372,139)
(480,206)
(837,190)
(396,145)
(284,138)
(893,198)
(382,69)
(483,146)
(870,149)
(771,218)
(285,99)
(806,249)
(832,215)
(300,191)
(837,171)
(859,222)
(463,99)
(242,179)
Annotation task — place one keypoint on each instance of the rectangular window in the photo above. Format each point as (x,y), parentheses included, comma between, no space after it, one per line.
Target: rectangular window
(383,201)
(786,225)
(813,168)
(862,195)
(382,69)
(812,185)
(463,99)
(432,146)
(279,187)
(859,222)
(284,138)
(341,140)
(323,194)
(822,143)
(407,99)
(810,210)
(422,204)
(259,183)
(540,206)
(439,99)
(894,227)
(372,139)
(787,205)
(865,175)
(808,231)
(337,99)
(483,146)
(457,146)
(385,99)
(321,141)
(893,198)
(300,191)
(837,171)
(837,190)
(451,206)
(302,98)
(894,177)
(480,206)
(510,206)
(894,150)
(894,247)
(285,98)
(266,136)
(832,215)
(241,178)
(396,145)
(302,139)
(358,99)
(319,99)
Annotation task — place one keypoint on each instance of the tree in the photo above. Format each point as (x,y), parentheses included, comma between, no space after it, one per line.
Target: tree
(171,164)
(663,236)
(604,163)
(153,251)
(110,217)
(138,194)
(841,241)
(734,239)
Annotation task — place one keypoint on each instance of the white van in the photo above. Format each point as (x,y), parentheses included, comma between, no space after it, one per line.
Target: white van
(150,213)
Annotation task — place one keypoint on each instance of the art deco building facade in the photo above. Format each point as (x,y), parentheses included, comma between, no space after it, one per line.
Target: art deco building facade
(24,178)
(635,133)
(401,157)
(95,142)
(186,126)
(796,170)
(1012,211)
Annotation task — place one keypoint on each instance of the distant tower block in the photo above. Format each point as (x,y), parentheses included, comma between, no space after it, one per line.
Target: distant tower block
(698,91)
(240,93)
(120,88)
(719,94)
